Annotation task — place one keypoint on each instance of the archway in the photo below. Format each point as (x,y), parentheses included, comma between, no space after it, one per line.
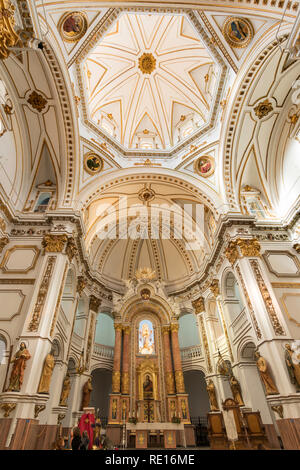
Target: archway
(102,381)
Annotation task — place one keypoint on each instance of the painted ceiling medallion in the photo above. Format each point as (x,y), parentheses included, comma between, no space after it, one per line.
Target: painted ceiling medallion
(73,26)
(93,164)
(147,63)
(238,32)
(205,166)
(146,194)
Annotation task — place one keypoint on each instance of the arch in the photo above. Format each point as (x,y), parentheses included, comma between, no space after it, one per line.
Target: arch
(102,383)
(195,385)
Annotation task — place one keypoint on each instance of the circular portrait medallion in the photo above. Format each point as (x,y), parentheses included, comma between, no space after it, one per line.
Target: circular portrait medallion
(72,26)
(238,32)
(93,164)
(205,166)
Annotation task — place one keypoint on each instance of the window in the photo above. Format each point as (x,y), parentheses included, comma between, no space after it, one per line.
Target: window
(42,202)
(146,337)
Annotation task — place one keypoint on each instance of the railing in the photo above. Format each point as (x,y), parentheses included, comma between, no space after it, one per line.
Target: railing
(107,352)
(190,352)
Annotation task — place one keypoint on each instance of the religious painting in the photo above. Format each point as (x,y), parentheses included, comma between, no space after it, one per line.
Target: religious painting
(146,337)
(238,32)
(93,164)
(205,166)
(73,26)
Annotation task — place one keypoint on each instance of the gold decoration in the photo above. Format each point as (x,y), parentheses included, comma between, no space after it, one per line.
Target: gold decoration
(214,287)
(238,32)
(145,294)
(231,252)
(94,303)
(71,249)
(116,379)
(60,418)
(145,274)
(93,163)
(7,408)
(146,194)
(278,409)
(110,116)
(44,385)
(7,109)
(127,330)
(2,224)
(125,382)
(236,390)
(262,365)
(8,36)
(297,247)
(147,63)
(263,109)
(145,131)
(73,26)
(54,243)
(267,299)
(179,381)
(165,329)
(37,101)
(81,283)
(251,311)
(174,327)
(170,383)
(205,343)
(182,118)
(198,305)
(211,390)
(65,390)
(249,247)
(42,294)
(3,242)
(38,409)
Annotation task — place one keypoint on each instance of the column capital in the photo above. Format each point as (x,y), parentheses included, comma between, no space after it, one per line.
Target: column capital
(127,330)
(242,247)
(198,305)
(71,248)
(165,329)
(118,327)
(81,283)
(231,252)
(54,243)
(214,287)
(94,303)
(174,327)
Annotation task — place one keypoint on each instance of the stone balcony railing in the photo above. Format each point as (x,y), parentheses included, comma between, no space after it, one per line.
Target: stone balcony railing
(102,351)
(191,352)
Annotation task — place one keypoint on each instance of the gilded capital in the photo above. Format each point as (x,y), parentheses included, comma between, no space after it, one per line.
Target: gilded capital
(165,329)
(214,287)
(198,305)
(54,243)
(118,327)
(174,327)
(231,252)
(127,330)
(71,248)
(249,247)
(81,283)
(94,303)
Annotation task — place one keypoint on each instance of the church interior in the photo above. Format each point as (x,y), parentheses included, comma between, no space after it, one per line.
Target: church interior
(150,223)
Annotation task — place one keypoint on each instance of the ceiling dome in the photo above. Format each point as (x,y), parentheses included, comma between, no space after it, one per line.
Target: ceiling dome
(151,81)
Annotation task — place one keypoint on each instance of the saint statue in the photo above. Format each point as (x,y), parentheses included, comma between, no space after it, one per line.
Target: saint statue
(44,385)
(19,365)
(65,390)
(262,366)
(86,393)
(212,396)
(293,366)
(236,390)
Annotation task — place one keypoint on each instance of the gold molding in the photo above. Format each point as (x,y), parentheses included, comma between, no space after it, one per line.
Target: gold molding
(286,285)
(12,250)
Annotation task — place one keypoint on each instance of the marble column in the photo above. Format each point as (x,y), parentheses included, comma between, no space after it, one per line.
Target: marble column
(168,361)
(126,360)
(177,359)
(116,375)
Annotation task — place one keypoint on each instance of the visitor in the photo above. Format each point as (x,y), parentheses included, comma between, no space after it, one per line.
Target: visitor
(85,440)
(76,441)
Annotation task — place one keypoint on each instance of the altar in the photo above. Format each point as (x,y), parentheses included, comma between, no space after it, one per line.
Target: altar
(142,433)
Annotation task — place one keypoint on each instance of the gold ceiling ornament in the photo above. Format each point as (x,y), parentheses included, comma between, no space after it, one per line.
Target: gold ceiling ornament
(147,63)
(8,36)
(238,32)
(37,101)
(205,166)
(7,109)
(110,116)
(278,329)
(147,162)
(145,274)
(146,194)
(182,118)
(263,109)
(146,131)
(7,408)
(145,294)
(198,305)
(54,243)
(278,409)
(250,307)
(73,26)
(214,287)
(93,163)
(297,247)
